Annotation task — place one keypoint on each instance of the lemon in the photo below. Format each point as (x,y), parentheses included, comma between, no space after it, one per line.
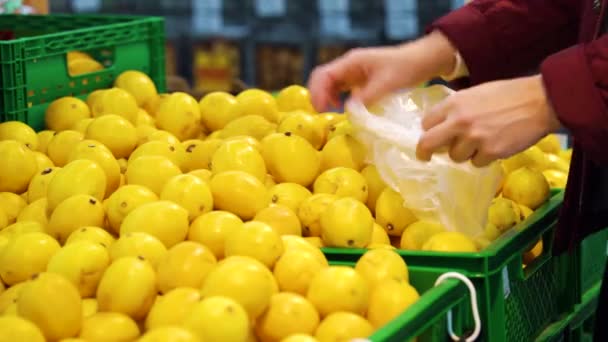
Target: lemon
(147,133)
(533,157)
(190,193)
(109,326)
(9,296)
(17,329)
(89,307)
(379,236)
(75,212)
(44,137)
(37,188)
(97,152)
(310,212)
(375,185)
(556,179)
(185,265)
(343,151)
(304,125)
(246,139)
(212,228)
(346,223)
(343,182)
(343,326)
(332,118)
(12,204)
(388,300)
(82,125)
(83,263)
(269,181)
(173,307)
(215,135)
(83,66)
(124,200)
(199,156)
(77,177)
(64,112)
(418,233)
(566,154)
(25,255)
(52,303)
(292,242)
(61,145)
(239,192)
(164,220)
(21,228)
(503,213)
(260,103)
(339,288)
(449,242)
(189,163)
(378,265)
(381,246)
(17,167)
(294,97)
(137,84)
(35,211)
(533,252)
(391,212)
(128,286)
(291,195)
(169,334)
(291,158)
(218,318)
(152,172)
(252,125)
(339,128)
(179,114)
(94,96)
(554,162)
(152,106)
(42,161)
(144,119)
(525,212)
(315,241)
(295,269)
(115,132)
(550,144)
(16,130)
(287,314)
(281,218)
(218,109)
(115,101)
(202,174)
(526,186)
(95,235)
(299,338)
(257,240)
(138,244)
(237,155)
(243,279)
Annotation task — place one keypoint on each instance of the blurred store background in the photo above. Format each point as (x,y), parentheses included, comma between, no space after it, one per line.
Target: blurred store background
(231,44)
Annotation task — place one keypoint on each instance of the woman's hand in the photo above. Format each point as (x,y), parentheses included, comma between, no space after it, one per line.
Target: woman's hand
(371,73)
(491,121)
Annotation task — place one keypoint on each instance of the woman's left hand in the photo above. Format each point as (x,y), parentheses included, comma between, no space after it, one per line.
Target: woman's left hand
(491,121)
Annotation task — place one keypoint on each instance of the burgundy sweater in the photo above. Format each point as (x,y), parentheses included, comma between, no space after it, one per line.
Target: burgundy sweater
(563,39)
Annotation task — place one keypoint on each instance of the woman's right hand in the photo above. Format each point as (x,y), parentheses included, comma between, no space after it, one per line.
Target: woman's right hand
(371,73)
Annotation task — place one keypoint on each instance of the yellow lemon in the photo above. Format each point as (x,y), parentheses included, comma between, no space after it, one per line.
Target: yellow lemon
(449,242)
(304,124)
(64,112)
(378,265)
(173,307)
(25,255)
(82,263)
(152,172)
(253,125)
(16,130)
(164,220)
(95,235)
(243,279)
(503,213)
(212,228)
(115,101)
(339,288)
(310,212)
(18,228)
(79,177)
(391,212)
(315,241)
(202,174)
(218,318)
(128,286)
(52,303)
(97,152)
(9,296)
(115,132)
(83,66)
(61,145)
(566,154)
(89,307)
(291,158)
(145,119)
(35,211)
(291,195)
(533,252)
(179,114)
(525,211)
(238,155)
(169,334)
(260,103)
(343,326)
(375,185)
(299,338)
(218,109)
(82,125)
(15,328)
(343,151)
(379,236)
(39,183)
(138,244)
(343,182)
(12,204)
(418,233)
(17,168)
(246,139)
(554,162)
(189,163)
(190,193)
(238,192)
(556,179)
(281,218)
(185,265)
(343,127)
(109,326)
(550,144)
(294,97)
(139,85)
(526,186)
(295,269)
(346,223)
(257,240)
(75,212)
(533,157)
(124,200)
(199,157)
(42,161)
(44,137)
(287,314)
(388,300)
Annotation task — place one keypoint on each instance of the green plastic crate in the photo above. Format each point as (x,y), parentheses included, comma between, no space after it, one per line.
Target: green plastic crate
(592,255)
(426,320)
(515,304)
(33,63)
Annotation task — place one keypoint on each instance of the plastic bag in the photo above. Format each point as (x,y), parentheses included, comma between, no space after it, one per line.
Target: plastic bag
(457,195)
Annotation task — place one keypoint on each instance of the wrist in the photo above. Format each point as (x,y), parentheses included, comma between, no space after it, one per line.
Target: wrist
(549,115)
(441,52)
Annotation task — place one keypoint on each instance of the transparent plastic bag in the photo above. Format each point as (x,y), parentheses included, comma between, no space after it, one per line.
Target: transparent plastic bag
(457,195)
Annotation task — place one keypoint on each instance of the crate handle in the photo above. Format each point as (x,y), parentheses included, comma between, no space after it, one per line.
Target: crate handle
(474,307)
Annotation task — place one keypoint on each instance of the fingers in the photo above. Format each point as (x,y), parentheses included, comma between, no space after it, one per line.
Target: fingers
(377,87)
(435,139)
(462,150)
(436,115)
